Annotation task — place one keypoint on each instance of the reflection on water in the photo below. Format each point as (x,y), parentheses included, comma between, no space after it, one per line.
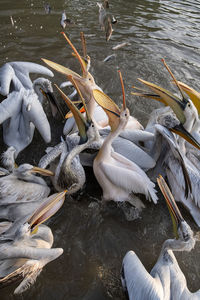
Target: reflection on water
(94,237)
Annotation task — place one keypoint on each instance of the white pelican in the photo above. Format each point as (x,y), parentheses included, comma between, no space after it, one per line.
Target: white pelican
(166,280)
(118,176)
(183,107)
(26,250)
(69,172)
(22,191)
(22,110)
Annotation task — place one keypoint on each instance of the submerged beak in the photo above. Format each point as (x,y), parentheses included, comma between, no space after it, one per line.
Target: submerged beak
(181,131)
(46,210)
(173,208)
(168,99)
(42,171)
(54,104)
(109,106)
(79,118)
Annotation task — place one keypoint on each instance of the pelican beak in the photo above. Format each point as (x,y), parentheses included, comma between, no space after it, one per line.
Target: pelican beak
(193,94)
(42,171)
(70,114)
(109,106)
(79,118)
(145,94)
(46,210)
(169,99)
(123,90)
(55,106)
(173,208)
(181,131)
(61,69)
(83,65)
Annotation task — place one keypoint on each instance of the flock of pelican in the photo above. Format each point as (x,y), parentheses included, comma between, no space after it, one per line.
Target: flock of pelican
(126,159)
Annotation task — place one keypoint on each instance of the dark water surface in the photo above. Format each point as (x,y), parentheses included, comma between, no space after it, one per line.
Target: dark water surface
(96,238)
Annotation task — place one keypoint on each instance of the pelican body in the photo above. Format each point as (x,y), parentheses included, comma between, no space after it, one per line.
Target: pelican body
(118,176)
(26,247)
(166,280)
(21,192)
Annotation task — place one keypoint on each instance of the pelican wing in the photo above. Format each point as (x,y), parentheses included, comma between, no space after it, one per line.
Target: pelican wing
(11,106)
(33,112)
(137,281)
(22,70)
(136,135)
(13,190)
(133,153)
(6,76)
(126,175)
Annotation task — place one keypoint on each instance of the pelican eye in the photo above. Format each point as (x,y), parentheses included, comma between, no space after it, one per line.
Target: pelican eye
(189,104)
(125,115)
(186,236)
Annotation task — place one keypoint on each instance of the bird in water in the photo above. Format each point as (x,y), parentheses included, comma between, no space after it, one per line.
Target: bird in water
(166,280)
(21,192)
(106,19)
(65,21)
(118,176)
(25,250)
(69,172)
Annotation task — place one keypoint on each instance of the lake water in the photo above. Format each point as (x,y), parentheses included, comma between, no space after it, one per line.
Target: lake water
(95,239)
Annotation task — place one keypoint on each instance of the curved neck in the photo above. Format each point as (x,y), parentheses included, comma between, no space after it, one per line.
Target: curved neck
(106,147)
(77,150)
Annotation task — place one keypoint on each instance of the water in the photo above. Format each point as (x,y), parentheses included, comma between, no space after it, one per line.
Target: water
(95,238)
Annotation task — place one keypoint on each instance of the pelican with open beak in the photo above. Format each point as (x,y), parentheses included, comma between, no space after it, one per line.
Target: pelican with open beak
(69,172)
(118,176)
(85,83)
(183,107)
(25,250)
(166,280)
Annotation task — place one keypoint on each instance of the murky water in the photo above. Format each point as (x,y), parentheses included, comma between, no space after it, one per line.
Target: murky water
(96,238)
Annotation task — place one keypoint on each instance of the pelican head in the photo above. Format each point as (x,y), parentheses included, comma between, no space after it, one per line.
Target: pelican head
(182,106)
(85,82)
(182,230)
(27,169)
(43,87)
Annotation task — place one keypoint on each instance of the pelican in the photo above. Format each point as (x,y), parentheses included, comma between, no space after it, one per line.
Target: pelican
(69,172)
(22,191)
(183,107)
(181,169)
(166,280)
(26,250)
(118,176)
(22,110)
